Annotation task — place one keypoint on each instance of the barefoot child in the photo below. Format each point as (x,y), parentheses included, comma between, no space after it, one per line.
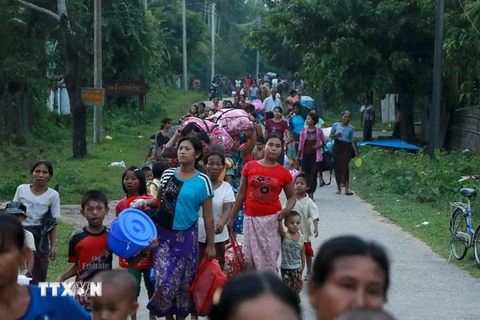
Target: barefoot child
(88,249)
(118,300)
(134,185)
(308,210)
(293,252)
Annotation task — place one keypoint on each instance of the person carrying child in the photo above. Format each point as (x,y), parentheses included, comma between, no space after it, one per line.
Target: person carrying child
(308,210)
(88,249)
(135,185)
(19,211)
(293,252)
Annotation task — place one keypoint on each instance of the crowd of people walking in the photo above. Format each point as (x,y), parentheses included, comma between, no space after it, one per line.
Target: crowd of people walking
(195,190)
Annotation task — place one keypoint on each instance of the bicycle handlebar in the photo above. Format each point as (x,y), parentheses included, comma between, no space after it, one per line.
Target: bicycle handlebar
(464,178)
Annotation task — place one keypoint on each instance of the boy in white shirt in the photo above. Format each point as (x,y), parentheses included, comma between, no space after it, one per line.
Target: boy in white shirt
(308,211)
(18,210)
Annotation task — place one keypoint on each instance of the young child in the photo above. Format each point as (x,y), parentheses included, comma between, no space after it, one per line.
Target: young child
(26,302)
(293,252)
(147,172)
(19,211)
(157,170)
(134,185)
(118,300)
(259,151)
(308,210)
(88,249)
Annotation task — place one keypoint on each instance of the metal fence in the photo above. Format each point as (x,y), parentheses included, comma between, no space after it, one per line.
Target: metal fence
(465,128)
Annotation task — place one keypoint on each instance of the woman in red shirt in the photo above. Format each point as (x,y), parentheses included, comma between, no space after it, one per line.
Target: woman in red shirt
(260,187)
(279,127)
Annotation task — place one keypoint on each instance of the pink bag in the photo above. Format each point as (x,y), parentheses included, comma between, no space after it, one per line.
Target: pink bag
(220,136)
(258,104)
(203,125)
(234,121)
(216,133)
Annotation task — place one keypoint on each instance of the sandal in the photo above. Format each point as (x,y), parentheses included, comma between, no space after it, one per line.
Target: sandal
(349,193)
(338,192)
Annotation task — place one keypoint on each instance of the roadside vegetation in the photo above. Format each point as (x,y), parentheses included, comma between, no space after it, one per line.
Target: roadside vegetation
(130,132)
(411,190)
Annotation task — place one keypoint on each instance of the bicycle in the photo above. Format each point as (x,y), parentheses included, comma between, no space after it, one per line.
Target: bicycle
(462,234)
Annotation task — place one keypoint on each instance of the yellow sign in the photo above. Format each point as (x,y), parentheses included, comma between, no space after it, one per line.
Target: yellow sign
(92,96)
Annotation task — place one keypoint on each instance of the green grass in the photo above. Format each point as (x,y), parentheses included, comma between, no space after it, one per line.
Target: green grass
(408,199)
(60,265)
(129,129)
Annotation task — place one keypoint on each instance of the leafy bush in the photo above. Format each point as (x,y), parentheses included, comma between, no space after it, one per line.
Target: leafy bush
(414,175)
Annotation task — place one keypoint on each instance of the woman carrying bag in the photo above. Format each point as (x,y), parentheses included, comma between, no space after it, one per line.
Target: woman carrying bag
(310,151)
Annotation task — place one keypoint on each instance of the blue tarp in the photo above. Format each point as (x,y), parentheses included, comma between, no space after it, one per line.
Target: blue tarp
(391,143)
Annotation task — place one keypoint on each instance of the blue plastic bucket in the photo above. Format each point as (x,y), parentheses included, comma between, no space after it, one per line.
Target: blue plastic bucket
(130,232)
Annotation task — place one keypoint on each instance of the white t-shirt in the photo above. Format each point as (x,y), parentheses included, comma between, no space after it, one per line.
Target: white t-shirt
(270,104)
(275,83)
(29,240)
(221,195)
(37,206)
(308,211)
(238,83)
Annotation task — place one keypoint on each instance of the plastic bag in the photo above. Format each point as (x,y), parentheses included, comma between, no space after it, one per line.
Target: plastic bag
(234,258)
(208,280)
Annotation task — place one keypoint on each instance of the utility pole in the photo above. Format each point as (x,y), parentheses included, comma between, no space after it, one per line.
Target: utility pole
(435,142)
(184,22)
(213,40)
(97,74)
(205,12)
(258,65)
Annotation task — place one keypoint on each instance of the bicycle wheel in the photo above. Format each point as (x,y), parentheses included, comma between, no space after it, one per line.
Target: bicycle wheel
(458,223)
(476,244)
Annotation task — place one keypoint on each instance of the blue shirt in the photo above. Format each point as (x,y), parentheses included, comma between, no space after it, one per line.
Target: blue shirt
(182,199)
(53,308)
(295,124)
(347,132)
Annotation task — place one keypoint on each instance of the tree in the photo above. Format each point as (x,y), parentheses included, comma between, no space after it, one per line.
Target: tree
(71,45)
(355,46)
(462,47)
